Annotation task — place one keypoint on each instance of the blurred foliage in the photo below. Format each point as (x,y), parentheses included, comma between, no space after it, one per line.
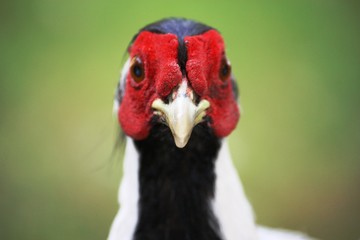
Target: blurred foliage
(297,145)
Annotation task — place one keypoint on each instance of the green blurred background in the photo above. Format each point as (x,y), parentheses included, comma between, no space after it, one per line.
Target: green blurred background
(296,147)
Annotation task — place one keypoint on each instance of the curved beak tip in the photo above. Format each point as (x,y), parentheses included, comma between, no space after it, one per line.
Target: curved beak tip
(181,115)
(180,143)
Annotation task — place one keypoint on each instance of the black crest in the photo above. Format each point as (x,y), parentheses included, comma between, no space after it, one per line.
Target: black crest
(179,26)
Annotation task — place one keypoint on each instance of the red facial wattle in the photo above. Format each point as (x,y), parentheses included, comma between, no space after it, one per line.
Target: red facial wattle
(205,54)
(162,73)
(159,54)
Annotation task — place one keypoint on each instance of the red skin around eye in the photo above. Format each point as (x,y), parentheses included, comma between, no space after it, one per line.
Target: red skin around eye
(205,53)
(158,53)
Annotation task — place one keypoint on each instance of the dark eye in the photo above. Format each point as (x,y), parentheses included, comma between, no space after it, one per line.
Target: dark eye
(225,69)
(137,69)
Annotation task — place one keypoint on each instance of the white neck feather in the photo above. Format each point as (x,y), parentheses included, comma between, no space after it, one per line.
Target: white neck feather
(231,206)
(125,221)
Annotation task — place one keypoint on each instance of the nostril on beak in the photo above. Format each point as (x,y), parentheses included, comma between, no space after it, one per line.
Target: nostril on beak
(183,90)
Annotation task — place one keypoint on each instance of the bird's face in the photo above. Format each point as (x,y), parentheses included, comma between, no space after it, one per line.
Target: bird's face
(155,85)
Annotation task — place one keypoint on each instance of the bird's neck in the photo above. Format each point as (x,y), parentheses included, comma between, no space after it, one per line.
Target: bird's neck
(177,186)
(166,190)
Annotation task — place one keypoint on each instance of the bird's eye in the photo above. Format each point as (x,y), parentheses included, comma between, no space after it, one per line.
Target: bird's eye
(225,69)
(137,69)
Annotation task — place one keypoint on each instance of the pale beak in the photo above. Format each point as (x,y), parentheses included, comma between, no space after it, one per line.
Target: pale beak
(181,114)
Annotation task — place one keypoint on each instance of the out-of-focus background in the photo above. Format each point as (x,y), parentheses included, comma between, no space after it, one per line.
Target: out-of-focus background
(297,145)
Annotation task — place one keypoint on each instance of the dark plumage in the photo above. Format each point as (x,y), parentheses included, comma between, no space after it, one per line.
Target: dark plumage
(176,186)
